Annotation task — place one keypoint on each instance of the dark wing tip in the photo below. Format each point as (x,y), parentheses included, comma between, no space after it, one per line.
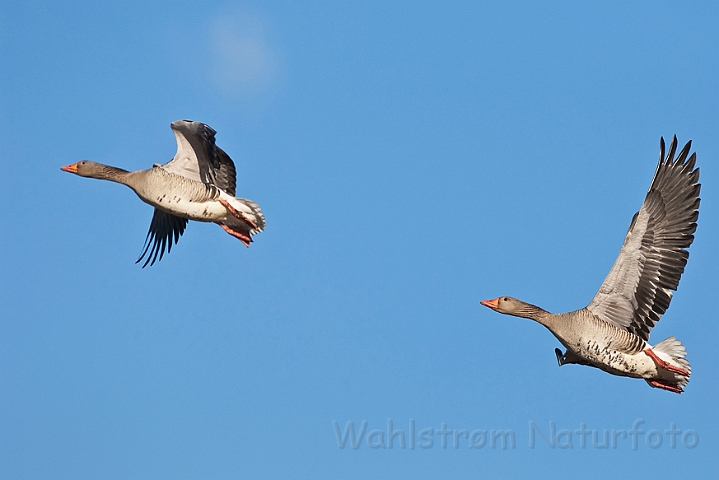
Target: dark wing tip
(164,227)
(661,149)
(672,150)
(226,175)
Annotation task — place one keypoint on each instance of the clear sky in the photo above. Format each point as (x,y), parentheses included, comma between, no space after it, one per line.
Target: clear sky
(411,159)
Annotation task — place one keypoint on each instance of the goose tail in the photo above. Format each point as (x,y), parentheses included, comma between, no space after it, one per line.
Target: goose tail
(249,210)
(673,352)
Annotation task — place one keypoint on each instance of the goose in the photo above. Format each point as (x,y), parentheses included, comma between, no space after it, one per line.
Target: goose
(197,184)
(612,332)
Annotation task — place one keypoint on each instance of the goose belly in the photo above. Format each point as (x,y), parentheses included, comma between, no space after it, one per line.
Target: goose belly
(179,205)
(601,355)
(209,211)
(193,200)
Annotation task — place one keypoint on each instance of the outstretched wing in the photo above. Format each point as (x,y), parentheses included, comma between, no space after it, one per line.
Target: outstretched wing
(163,228)
(198,158)
(638,288)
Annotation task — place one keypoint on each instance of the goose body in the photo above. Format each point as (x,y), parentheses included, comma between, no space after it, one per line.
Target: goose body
(612,332)
(186,198)
(197,184)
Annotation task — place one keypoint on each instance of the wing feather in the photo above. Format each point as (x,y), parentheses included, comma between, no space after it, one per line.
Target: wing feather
(199,159)
(163,228)
(638,289)
(225,176)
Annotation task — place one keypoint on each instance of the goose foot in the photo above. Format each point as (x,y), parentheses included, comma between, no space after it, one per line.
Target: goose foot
(665,365)
(569,357)
(665,386)
(239,215)
(242,236)
(561,359)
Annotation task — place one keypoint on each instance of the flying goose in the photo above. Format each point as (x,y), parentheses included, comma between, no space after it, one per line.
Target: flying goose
(197,184)
(612,332)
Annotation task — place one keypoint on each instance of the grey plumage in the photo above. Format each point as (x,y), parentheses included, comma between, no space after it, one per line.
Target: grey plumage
(611,333)
(166,228)
(197,184)
(638,288)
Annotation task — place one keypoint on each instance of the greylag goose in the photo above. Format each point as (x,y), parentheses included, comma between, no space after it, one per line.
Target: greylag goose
(197,184)
(612,332)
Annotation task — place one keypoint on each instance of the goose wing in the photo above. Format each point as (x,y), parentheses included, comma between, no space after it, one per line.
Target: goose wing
(198,158)
(638,288)
(225,175)
(163,229)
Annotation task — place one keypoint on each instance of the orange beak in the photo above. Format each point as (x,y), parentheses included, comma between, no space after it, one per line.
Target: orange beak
(493,304)
(70,168)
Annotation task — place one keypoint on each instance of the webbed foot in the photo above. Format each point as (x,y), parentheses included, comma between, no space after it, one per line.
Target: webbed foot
(243,236)
(237,214)
(664,385)
(665,365)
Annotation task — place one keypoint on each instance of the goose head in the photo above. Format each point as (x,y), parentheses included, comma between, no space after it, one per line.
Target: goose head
(506,305)
(517,308)
(85,168)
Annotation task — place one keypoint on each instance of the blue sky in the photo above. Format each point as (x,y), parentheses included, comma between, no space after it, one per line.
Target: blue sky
(411,160)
